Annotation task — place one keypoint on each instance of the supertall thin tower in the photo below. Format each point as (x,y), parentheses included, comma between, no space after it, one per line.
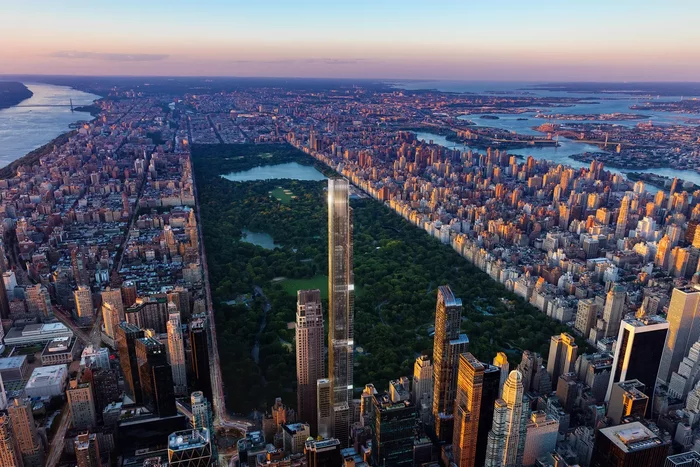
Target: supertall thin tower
(448,346)
(310,355)
(176,350)
(506,441)
(622,218)
(341,303)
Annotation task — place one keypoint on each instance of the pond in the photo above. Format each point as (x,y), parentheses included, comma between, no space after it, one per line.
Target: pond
(289,170)
(260,239)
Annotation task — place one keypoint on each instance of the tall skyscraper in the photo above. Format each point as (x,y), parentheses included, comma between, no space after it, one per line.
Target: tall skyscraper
(189,448)
(200,355)
(683,329)
(323,453)
(87,450)
(506,441)
(105,383)
(541,439)
(310,355)
(501,362)
(627,398)
(83,302)
(127,335)
(393,427)
(9,452)
(422,393)
(341,288)
(688,374)
(156,377)
(563,352)
(622,218)
(114,298)
(470,380)
(614,309)
(640,345)
(448,345)
(82,405)
(25,433)
(110,318)
(176,351)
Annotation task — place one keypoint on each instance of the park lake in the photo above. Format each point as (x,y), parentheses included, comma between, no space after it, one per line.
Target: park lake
(289,170)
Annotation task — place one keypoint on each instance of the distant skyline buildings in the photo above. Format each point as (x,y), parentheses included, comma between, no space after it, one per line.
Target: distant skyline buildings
(373,41)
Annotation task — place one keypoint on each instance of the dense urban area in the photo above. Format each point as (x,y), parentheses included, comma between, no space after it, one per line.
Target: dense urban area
(284,273)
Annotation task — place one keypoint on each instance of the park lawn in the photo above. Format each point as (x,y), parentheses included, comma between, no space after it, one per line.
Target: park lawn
(317,282)
(282,195)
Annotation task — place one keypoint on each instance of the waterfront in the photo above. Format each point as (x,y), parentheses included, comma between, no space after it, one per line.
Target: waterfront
(289,170)
(39,119)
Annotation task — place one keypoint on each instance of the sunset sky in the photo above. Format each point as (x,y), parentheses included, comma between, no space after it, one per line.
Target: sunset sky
(423,39)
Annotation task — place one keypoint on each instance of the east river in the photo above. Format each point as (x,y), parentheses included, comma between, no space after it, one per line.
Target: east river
(39,119)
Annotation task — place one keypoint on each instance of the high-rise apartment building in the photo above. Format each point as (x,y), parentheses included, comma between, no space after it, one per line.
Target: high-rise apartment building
(38,300)
(563,352)
(156,377)
(506,441)
(324,407)
(341,288)
(448,345)
(688,374)
(627,398)
(82,405)
(201,411)
(87,450)
(110,318)
(470,381)
(614,309)
(640,345)
(422,389)
(501,362)
(683,329)
(114,298)
(9,452)
(393,427)
(176,351)
(127,335)
(84,307)
(309,354)
(541,438)
(25,433)
(105,383)
(622,218)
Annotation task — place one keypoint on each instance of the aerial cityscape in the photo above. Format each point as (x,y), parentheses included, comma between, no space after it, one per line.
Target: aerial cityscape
(420,234)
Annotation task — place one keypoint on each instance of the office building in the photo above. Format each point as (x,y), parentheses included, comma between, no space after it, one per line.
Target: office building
(468,410)
(201,411)
(393,428)
(9,452)
(341,288)
(84,307)
(688,373)
(595,370)
(622,218)
(629,445)
(82,405)
(448,345)
(563,352)
(87,450)
(294,437)
(127,335)
(541,437)
(155,376)
(113,297)
(176,351)
(25,433)
(38,300)
(105,384)
(189,448)
(309,354)
(323,453)
(200,355)
(640,345)
(627,398)
(422,389)
(110,319)
(683,329)
(47,381)
(586,315)
(506,441)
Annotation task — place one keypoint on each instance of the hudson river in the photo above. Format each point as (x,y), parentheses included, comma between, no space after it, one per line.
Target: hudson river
(33,122)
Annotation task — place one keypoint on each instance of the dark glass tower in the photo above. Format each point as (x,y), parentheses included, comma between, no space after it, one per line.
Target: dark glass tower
(200,355)
(156,377)
(127,335)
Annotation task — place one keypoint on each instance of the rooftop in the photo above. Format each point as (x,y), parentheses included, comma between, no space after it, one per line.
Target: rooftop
(188,439)
(632,437)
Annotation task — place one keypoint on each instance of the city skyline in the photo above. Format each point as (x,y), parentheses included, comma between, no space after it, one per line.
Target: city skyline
(548,41)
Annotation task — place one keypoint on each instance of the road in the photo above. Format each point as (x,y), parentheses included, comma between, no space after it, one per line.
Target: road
(222,420)
(56,447)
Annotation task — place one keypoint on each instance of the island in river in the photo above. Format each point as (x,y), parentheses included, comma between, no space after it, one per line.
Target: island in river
(12,93)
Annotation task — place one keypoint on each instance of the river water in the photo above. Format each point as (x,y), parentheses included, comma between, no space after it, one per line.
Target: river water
(594,104)
(39,119)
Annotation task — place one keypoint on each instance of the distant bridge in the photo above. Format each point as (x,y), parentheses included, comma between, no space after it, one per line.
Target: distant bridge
(49,105)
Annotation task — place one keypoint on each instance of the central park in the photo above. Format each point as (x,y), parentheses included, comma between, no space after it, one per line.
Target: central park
(279,197)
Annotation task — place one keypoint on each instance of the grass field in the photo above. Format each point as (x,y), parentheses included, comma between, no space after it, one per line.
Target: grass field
(318,282)
(282,195)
